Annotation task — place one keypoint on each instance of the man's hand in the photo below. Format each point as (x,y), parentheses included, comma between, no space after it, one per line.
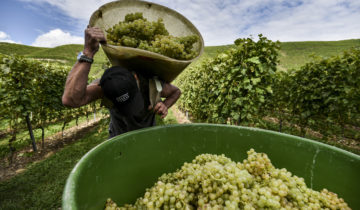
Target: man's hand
(160,109)
(93,36)
(76,92)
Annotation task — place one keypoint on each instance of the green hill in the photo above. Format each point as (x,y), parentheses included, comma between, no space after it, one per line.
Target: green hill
(213,50)
(296,54)
(292,54)
(19,49)
(65,54)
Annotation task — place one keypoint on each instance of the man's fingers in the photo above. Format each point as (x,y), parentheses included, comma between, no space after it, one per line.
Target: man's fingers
(93,28)
(161,110)
(164,115)
(95,34)
(99,38)
(95,31)
(157,107)
(158,111)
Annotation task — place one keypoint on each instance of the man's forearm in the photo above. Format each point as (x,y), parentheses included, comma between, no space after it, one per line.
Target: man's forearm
(76,92)
(169,101)
(75,86)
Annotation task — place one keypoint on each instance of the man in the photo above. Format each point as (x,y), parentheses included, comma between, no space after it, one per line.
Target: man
(128,91)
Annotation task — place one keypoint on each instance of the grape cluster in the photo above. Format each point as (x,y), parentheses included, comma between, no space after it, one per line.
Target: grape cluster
(217,182)
(137,32)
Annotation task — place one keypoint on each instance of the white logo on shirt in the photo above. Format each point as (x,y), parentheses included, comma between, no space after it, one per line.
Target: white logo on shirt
(123,97)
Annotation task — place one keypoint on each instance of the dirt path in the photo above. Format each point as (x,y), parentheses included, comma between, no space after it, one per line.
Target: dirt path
(24,157)
(180,117)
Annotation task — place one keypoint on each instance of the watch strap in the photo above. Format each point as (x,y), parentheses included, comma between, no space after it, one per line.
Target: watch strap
(84,58)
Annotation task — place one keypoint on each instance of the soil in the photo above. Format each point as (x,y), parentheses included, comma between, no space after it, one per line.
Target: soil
(22,158)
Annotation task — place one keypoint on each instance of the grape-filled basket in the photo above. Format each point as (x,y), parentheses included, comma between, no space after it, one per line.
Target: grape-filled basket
(141,60)
(123,167)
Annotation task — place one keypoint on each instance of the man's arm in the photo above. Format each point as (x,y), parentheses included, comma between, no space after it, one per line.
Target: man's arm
(77,93)
(171,94)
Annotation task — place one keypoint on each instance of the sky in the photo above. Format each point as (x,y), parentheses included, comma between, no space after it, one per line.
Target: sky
(50,23)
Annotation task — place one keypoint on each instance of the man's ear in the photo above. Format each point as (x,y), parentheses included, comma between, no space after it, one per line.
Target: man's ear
(137,80)
(136,77)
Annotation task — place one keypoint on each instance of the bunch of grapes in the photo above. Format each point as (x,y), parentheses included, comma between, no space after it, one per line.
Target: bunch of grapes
(217,182)
(137,32)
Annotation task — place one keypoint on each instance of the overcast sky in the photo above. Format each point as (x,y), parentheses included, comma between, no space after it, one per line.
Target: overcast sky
(49,23)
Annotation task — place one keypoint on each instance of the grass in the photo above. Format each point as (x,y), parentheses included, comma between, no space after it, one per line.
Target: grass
(23,137)
(65,55)
(296,132)
(42,184)
(211,51)
(292,54)
(296,54)
(68,53)
(64,52)
(19,49)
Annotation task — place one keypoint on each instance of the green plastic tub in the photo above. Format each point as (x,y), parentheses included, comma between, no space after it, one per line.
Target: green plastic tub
(122,167)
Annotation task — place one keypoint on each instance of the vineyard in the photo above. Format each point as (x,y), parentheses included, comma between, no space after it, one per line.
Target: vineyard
(30,98)
(240,84)
(244,86)
(260,83)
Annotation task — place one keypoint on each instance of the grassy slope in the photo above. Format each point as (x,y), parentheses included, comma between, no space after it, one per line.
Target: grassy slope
(211,51)
(66,54)
(22,138)
(296,54)
(19,49)
(292,54)
(41,186)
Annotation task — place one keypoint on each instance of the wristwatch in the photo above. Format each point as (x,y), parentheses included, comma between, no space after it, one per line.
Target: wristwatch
(83,58)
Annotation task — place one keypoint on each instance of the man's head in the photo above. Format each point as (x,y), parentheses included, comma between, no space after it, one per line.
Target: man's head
(119,85)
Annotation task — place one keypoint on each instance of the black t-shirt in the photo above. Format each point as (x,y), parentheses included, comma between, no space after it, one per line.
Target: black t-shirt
(136,117)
